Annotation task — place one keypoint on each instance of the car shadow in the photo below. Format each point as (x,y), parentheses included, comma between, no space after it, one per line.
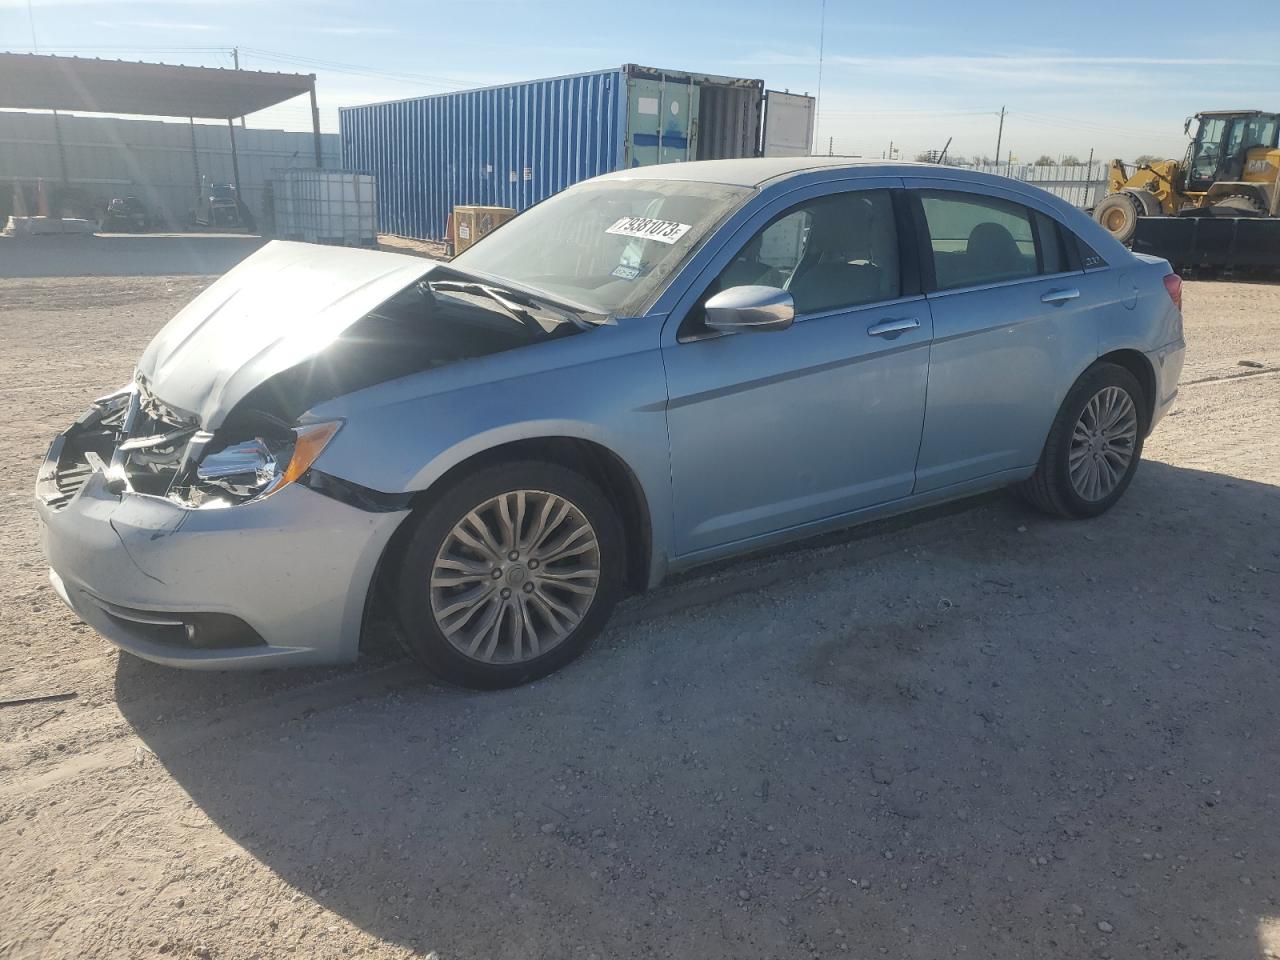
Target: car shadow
(988,730)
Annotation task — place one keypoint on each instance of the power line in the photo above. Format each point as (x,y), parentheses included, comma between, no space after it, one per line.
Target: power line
(223,49)
(1051,120)
(1123,135)
(339,67)
(912,114)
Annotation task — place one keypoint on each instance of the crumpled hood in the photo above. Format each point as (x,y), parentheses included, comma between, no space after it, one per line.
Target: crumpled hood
(277,308)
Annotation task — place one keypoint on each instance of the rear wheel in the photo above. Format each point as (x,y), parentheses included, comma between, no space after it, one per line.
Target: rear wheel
(509,575)
(1118,213)
(1093,447)
(1239,205)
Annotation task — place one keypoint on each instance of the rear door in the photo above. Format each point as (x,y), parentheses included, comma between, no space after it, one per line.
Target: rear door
(1013,326)
(788,125)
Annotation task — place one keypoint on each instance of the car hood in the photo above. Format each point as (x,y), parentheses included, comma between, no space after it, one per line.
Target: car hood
(276,309)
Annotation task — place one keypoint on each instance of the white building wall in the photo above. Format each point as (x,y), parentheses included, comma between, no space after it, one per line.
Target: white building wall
(153,160)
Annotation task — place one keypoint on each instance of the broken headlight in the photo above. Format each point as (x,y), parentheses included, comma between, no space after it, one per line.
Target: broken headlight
(257,467)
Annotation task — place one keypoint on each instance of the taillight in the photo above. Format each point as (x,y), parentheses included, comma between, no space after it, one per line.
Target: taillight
(1173,285)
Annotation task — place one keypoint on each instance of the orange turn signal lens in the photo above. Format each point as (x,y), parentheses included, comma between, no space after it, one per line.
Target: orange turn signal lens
(312,439)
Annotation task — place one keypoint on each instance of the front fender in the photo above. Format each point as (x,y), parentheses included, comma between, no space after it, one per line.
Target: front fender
(604,387)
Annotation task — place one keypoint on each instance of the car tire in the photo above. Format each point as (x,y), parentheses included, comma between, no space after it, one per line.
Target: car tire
(1082,445)
(1118,214)
(479,549)
(1239,205)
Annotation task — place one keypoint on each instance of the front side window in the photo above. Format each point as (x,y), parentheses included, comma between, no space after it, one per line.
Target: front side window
(608,246)
(832,252)
(978,239)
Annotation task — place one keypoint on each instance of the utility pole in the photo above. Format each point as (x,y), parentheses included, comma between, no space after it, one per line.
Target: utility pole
(831,145)
(1088,174)
(1000,135)
(822,42)
(235,55)
(890,149)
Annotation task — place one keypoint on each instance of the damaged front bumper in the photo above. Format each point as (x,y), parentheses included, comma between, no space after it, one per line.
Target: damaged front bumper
(281,581)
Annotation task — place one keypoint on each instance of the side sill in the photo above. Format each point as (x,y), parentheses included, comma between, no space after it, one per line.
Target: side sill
(765,542)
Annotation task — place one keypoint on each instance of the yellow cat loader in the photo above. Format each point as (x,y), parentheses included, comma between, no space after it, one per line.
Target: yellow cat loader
(1218,207)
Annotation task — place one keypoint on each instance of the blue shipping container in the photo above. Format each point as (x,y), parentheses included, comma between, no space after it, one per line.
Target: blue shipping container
(513,145)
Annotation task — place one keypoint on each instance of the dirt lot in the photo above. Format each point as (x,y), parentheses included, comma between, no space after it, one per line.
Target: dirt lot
(981,733)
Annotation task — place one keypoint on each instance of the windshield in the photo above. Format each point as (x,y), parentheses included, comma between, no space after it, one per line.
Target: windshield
(607,245)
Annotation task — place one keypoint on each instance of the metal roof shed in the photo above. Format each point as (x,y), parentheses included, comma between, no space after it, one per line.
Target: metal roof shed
(41,82)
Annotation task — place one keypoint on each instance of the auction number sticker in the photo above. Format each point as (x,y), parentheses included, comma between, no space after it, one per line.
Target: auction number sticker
(646,228)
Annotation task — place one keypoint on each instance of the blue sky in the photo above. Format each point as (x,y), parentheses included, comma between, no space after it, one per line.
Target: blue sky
(1115,78)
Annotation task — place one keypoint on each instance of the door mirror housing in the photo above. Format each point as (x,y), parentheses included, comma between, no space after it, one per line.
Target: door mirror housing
(750,309)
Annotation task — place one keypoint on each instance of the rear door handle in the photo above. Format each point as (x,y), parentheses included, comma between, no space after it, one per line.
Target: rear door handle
(891,328)
(1060,296)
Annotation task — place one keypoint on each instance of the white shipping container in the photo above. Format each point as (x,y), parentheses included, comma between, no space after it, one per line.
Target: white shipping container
(325,206)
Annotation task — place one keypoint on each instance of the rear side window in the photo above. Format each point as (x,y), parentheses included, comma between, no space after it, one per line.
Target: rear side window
(1089,258)
(977,239)
(1053,252)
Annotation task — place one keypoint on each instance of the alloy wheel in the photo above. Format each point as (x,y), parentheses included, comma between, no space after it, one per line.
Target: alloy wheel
(1103,443)
(515,576)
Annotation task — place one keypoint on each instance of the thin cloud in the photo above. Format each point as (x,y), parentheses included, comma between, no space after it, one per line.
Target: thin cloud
(354,30)
(43,5)
(996,63)
(1026,70)
(152,25)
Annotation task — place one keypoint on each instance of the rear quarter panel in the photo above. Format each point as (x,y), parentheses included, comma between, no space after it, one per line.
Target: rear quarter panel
(1150,320)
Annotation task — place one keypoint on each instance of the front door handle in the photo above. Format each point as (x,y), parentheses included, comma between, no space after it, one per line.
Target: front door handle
(1060,296)
(891,328)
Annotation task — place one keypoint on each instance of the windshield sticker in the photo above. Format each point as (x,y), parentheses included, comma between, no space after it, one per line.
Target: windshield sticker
(626,272)
(646,228)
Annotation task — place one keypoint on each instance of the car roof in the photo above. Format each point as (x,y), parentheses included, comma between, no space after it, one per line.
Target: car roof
(752,171)
(761,171)
(757,171)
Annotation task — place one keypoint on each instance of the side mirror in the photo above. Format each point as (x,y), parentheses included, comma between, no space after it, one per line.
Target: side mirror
(1186,127)
(750,310)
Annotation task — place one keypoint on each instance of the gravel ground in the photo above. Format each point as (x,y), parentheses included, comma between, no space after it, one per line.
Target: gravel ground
(976,733)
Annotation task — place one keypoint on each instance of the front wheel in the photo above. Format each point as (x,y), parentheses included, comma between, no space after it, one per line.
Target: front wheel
(1118,213)
(509,575)
(1093,447)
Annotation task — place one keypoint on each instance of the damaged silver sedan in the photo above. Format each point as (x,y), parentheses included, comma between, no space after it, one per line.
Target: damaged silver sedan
(651,370)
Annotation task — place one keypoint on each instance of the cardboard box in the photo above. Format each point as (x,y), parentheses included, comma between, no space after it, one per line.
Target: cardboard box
(470,223)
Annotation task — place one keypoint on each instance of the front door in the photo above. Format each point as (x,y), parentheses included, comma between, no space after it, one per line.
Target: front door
(1206,154)
(771,431)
